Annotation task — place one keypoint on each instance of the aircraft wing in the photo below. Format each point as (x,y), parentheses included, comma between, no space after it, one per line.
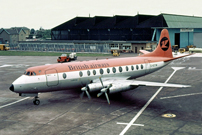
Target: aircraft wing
(158,84)
(124,81)
(112,79)
(120,84)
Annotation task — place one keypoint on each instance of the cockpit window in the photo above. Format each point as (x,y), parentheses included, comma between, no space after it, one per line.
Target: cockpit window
(28,73)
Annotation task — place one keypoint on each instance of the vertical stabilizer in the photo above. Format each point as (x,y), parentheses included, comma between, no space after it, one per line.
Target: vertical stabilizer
(164,47)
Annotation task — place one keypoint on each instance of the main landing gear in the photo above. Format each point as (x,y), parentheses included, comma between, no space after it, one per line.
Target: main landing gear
(36,101)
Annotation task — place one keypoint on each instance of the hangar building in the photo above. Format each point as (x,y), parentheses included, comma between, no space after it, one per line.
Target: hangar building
(183,30)
(128,32)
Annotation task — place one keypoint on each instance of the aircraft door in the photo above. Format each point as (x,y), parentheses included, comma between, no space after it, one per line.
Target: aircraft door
(147,66)
(51,77)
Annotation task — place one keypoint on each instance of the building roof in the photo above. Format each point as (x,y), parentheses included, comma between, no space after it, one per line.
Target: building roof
(103,22)
(12,31)
(138,21)
(180,21)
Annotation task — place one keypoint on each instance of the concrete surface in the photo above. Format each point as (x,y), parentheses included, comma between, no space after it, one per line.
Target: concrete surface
(64,113)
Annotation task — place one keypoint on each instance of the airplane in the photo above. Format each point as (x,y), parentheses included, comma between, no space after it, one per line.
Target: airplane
(105,76)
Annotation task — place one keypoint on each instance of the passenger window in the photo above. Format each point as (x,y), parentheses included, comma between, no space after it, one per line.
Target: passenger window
(64,76)
(101,71)
(88,73)
(34,73)
(137,67)
(31,73)
(80,74)
(142,66)
(126,68)
(132,67)
(114,70)
(120,69)
(94,72)
(108,70)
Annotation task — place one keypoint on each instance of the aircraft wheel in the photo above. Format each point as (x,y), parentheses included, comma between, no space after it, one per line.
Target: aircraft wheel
(36,102)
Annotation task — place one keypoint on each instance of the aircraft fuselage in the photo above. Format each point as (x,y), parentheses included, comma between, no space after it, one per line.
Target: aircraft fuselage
(78,74)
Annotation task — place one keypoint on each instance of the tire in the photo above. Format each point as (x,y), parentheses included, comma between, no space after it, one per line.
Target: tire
(36,102)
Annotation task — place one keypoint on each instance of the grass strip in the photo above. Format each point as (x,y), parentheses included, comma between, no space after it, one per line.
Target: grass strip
(29,53)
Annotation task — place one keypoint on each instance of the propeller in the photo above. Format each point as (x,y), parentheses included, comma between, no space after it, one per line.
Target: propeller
(85,89)
(104,90)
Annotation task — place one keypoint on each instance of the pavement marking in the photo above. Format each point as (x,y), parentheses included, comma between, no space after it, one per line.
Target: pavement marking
(193,68)
(6,66)
(132,124)
(18,65)
(13,102)
(168,115)
(147,104)
(191,94)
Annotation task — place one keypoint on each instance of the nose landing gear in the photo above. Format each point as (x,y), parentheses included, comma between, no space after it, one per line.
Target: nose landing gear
(36,101)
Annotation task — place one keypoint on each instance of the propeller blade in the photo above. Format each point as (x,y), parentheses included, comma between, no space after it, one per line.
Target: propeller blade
(107,98)
(88,94)
(101,82)
(104,90)
(85,89)
(99,94)
(81,95)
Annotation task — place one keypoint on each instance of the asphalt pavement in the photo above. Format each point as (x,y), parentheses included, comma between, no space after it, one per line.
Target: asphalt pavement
(173,111)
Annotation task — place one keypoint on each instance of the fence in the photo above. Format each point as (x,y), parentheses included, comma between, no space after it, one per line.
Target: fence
(61,47)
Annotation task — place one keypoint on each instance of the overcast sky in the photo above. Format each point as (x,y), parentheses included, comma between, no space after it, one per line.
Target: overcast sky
(50,13)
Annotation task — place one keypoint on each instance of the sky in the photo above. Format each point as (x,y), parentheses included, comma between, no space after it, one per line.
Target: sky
(51,13)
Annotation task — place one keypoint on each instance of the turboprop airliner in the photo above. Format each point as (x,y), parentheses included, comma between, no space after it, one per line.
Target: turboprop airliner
(104,76)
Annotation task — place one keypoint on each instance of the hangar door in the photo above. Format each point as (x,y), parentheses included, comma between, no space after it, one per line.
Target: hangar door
(198,40)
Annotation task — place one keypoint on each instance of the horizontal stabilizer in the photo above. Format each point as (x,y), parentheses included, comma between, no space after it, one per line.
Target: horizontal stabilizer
(144,52)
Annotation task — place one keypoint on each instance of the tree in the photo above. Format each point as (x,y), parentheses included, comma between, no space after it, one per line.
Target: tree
(44,34)
(32,31)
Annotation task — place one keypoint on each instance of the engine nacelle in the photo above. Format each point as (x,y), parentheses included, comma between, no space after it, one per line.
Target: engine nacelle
(120,88)
(93,87)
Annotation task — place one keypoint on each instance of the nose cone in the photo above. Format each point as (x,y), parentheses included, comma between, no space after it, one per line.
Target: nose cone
(12,88)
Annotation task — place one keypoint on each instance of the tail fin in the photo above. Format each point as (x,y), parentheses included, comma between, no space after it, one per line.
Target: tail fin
(164,47)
